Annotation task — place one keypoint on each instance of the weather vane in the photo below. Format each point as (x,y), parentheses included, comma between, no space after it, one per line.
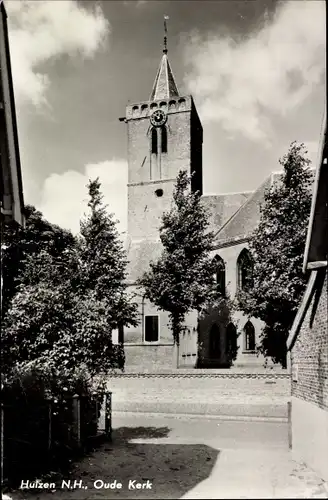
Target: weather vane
(165,36)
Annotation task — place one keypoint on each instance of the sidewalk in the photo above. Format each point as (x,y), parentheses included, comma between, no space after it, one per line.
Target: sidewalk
(190,458)
(258,474)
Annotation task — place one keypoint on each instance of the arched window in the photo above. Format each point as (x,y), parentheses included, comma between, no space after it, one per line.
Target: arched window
(164,139)
(219,274)
(154,141)
(249,337)
(245,270)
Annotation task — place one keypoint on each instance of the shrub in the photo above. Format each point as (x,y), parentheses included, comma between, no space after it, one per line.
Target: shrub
(32,395)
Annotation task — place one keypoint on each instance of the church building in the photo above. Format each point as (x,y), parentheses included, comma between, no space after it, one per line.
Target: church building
(165,136)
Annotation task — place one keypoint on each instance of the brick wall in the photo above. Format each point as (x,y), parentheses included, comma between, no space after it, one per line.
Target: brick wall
(309,400)
(310,355)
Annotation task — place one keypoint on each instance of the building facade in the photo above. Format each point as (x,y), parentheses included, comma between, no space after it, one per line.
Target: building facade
(308,339)
(165,136)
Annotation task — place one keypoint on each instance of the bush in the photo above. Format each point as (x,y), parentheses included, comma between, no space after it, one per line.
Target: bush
(29,395)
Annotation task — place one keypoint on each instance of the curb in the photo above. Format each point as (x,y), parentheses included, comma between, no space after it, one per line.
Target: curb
(236,418)
(181,374)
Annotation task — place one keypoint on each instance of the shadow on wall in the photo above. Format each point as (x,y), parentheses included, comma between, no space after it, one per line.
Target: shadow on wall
(172,469)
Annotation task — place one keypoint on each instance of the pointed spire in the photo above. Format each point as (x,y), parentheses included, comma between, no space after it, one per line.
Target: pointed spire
(164,86)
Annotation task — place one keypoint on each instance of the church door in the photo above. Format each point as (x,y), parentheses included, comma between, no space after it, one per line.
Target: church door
(215,348)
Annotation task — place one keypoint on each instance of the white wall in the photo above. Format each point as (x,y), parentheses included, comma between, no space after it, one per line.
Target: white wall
(310,435)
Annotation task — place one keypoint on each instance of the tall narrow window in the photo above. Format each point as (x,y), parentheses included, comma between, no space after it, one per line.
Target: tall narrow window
(151,328)
(245,270)
(164,139)
(249,336)
(154,141)
(219,274)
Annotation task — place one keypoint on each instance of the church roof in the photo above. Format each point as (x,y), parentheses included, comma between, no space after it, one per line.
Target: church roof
(221,207)
(243,222)
(164,86)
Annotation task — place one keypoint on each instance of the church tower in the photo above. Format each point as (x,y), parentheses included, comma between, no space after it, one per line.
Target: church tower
(164,136)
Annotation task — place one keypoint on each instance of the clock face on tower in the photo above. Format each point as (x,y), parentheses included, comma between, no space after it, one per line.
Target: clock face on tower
(158,118)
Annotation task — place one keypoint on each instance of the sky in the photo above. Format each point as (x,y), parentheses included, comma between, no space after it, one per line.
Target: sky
(255,68)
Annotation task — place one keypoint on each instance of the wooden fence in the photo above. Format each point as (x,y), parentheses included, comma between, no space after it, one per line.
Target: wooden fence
(33,434)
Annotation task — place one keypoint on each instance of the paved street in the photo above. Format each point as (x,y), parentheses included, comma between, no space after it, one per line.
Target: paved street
(191,458)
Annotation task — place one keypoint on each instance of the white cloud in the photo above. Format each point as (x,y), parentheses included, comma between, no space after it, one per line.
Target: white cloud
(136,3)
(64,197)
(239,83)
(41,31)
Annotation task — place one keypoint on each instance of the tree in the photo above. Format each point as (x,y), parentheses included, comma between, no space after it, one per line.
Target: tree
(21,242)
(68,302)
(104,262)
(277,247)
(182,279)
(56,322)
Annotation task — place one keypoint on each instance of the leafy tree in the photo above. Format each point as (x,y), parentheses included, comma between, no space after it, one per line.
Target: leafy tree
(277,247)
(57,323)
(104,262)
(68,302)
(182,279)
(21,242)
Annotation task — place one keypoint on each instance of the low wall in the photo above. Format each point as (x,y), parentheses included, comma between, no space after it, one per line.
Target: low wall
(202,392)
(310,435)
(149,358)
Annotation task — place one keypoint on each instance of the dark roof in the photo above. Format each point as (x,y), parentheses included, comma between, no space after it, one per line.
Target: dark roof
(245,219)
(13,112)
(164,86)
(316,248)
(221,207)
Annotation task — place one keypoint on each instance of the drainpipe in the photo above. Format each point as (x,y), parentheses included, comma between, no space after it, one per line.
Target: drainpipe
(143,318)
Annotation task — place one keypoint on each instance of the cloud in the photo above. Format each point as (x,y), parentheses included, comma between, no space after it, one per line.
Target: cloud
(41,31)
(240,83)
(64,197)
(135,3)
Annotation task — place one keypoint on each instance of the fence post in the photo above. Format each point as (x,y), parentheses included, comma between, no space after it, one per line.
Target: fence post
(77,419)
(108,415)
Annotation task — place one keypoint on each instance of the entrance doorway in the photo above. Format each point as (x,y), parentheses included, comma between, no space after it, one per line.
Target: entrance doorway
(215,339)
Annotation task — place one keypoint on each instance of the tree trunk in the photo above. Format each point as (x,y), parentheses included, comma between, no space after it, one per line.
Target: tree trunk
(176,355)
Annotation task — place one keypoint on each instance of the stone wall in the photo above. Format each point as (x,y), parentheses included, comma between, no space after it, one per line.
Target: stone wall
(203,392)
